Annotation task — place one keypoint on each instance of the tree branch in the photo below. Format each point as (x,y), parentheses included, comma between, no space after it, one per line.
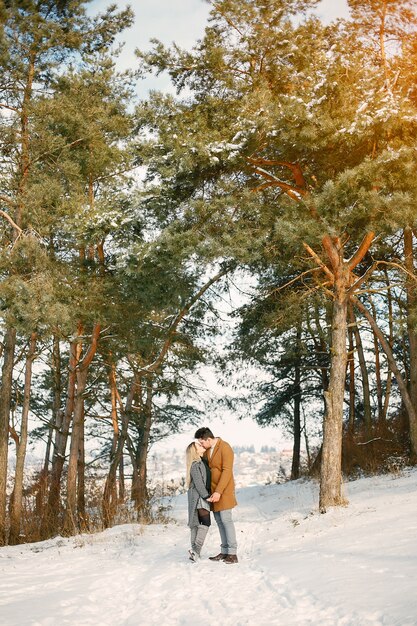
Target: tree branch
(400,267)
(216,6)
(318,260)
(58,150)
(82,365)
(9,219)
(118,173)
(180,316)
(14,435)
(331,251)
(362,250)
(294,280)
(363,278)
(7,201)
(294,167)
(296,193)
(7,106)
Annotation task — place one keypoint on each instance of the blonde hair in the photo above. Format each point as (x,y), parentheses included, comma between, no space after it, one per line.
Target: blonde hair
(191,455)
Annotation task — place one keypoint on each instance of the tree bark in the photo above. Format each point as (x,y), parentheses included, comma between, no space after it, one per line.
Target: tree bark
(351,366)
(295,466)
(339,274)
(16,500)
(331,464)
(81,510)
(125,414)
(55,424)
(141,487)
(49,523)
(322,349)
(411,309)
(57,390)
(42,488)
(122,489)
(71,518)
(5,404)
(367,417)
(306,442)
(378,379)
(71,521)
(115,424)
(390,343)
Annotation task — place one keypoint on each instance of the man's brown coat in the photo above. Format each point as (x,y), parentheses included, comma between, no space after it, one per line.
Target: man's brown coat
(222,481)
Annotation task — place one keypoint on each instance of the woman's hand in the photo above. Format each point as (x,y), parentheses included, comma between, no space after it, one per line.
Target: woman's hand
(215,497)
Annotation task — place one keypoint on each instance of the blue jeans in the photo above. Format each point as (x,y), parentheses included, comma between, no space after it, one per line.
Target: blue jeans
(227,531)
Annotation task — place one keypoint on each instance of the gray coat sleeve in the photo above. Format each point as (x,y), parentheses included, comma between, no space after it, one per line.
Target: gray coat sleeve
(198,480)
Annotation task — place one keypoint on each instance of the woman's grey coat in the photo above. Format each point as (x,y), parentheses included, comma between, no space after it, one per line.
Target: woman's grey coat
(197,490)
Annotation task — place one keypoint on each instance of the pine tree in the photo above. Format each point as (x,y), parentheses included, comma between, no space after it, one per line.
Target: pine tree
(36,37)
(41,184)
(299,113)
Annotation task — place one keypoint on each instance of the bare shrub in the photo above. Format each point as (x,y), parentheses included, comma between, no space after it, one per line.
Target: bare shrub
(385,450)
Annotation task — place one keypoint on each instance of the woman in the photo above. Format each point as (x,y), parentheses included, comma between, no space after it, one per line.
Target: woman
(198,483)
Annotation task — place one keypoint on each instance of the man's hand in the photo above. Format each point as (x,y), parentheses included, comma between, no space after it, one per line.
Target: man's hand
(215,497)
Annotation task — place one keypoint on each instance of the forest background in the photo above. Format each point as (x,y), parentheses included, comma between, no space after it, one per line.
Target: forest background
(281,167)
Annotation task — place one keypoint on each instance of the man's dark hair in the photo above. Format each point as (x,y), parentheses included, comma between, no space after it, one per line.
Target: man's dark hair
(203,433)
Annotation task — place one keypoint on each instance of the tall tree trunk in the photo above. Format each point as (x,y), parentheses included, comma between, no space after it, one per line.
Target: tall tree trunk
(57,415)
(71,521)
(306,442)
(351,366)
(115,425)
(10,336)
(82,516)
(55,424)
(5,404)
(367,417)
(71,518)
(125,414)
(122,489)
(42,489)
(378,379)
(322,349)
(50,519)
(16,500)
(387,396)
(411,312)
(402,385)
(331,462)
(382,14)
(339,275)
(295,466)
(390,343)
(141,487)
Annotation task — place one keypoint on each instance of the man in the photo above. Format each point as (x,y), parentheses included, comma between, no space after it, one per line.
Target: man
(219,456)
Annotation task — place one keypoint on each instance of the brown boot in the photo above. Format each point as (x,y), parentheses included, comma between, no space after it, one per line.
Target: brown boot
(219,557)
(231,558)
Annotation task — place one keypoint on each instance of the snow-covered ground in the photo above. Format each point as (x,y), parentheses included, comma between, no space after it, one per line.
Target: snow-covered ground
(354,566)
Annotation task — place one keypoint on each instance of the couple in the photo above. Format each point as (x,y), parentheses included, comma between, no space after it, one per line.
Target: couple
(210,471)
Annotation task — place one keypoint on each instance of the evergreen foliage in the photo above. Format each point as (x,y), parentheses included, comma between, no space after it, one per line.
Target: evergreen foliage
(288,153)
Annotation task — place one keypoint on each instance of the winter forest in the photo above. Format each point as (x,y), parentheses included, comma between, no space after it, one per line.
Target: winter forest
(281,167)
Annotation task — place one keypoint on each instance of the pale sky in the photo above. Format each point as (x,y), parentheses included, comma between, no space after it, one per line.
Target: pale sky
(183,21)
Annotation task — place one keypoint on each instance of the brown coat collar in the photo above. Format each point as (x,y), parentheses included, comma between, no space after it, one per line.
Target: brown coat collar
(215,449)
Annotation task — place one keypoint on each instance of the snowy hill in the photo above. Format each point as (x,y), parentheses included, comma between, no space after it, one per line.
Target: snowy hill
(354,566)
